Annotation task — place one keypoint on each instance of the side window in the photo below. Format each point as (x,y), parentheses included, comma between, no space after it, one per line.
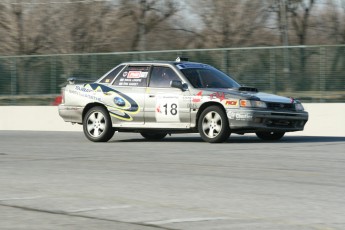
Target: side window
(110,77)
(133,76)
(193,77)
(162,76)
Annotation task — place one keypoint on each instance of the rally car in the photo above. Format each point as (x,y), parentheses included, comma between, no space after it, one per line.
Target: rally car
(156,98)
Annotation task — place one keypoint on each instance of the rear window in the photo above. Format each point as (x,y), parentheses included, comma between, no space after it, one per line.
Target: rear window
(110,76)
(133,76)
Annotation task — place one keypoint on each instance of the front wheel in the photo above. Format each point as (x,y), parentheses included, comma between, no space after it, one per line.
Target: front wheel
(213,125)
(97,125)
(270,136)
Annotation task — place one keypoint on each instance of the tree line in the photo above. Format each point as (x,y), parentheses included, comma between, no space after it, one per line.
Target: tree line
(30,27)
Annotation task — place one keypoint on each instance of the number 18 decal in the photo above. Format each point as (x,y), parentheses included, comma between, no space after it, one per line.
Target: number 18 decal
(167,109)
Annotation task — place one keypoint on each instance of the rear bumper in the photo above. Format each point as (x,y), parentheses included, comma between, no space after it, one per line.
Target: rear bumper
(71,113)
(245,120)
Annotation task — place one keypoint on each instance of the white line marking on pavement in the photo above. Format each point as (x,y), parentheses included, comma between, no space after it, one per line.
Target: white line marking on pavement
(99,208)
(22,198)
(186,220)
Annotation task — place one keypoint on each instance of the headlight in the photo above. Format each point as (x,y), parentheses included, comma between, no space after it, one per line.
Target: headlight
(253,104)
(299,107)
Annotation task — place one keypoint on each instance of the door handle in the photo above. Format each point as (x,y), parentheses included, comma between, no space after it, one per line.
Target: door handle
(151,95)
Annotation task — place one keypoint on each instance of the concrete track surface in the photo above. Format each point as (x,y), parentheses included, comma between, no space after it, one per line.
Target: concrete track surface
(60,180)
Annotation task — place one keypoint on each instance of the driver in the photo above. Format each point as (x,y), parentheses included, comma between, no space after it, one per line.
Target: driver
(166,77)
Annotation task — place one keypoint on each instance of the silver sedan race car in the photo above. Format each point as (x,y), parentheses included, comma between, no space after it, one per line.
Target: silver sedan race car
(157,98)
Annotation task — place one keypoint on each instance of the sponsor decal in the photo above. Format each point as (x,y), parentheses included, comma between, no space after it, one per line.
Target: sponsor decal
(232,103)
(229,102)
(122,107)
(240,116)
(193,105)
(133,78)
(158,109)
(85,92)
(219,96)
(197,98)
(134,74)
(119,101)
(194,98)
(83,89)
(144,74)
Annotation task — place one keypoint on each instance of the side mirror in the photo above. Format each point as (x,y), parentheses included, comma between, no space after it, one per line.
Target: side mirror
(179,85)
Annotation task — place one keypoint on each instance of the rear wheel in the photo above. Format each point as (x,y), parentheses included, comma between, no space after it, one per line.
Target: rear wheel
(213,125)
(153,136)
(97,125)
(270,136)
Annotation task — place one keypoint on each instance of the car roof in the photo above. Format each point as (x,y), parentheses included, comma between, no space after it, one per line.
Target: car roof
(158,62)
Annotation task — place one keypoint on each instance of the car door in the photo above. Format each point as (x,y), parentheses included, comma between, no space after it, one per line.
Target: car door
(166,107)
(128,96)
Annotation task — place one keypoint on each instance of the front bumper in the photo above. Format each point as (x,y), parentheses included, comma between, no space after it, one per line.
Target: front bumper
(247,120)
(71,113)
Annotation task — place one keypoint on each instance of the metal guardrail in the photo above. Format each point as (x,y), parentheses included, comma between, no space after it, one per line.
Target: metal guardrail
(310,73)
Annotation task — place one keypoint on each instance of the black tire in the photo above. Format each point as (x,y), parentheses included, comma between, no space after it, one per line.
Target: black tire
(270,136)
(97,125)
(153,136)
(213,125)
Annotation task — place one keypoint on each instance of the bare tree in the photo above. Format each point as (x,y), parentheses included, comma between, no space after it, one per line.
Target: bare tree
(231,23)
(6,35)
(332,21)
(144,16)
(12,27)
(295,23)
(299,17)
(25,27)
(228,23)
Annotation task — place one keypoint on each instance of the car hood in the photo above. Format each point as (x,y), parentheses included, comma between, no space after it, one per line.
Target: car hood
(266,97)
(273,98)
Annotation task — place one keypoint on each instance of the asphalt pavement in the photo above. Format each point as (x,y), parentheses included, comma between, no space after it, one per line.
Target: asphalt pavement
(60,180)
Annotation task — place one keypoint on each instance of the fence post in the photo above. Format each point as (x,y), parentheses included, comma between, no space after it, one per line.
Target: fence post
(273,74)
(13,81)
(225,61)
(322,76)
(53,74)
(93,66)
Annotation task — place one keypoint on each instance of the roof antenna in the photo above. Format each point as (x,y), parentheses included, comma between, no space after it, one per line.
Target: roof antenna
(180,59)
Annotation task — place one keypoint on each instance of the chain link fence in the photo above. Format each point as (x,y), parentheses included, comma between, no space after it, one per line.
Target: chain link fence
(309,73)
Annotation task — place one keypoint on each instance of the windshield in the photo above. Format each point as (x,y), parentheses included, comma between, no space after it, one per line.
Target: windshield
(209,78)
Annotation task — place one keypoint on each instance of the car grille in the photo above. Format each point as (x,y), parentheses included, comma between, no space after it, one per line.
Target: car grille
(280,106)
(276,123)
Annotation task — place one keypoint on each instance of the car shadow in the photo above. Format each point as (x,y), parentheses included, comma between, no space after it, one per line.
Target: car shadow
(288,139)
(242,139)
